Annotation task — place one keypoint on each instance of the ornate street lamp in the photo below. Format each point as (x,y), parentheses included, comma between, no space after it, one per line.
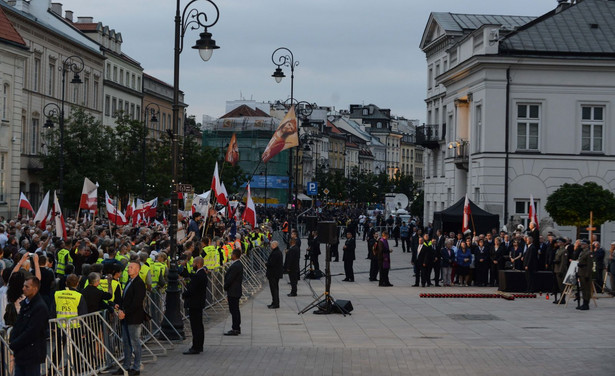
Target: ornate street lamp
(153,110)
(193,19)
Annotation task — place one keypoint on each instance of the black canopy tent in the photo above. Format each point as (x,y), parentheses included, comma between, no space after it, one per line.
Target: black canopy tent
(451,218)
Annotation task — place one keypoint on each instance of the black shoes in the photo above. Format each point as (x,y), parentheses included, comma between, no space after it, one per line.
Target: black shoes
(415,285)
(373,280)
(233,333)
(347,280)
(134,372)
(291,294)
(119,372)
(271,306)
(192,351)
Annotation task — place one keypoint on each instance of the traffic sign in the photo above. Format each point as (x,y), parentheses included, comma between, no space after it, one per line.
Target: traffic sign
(184,188)
(312,188)
(326,191)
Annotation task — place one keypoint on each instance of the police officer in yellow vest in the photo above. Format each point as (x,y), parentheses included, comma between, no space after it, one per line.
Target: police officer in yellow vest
(70,303)
(211,255)
(64,258)
(159,272)
(144,272)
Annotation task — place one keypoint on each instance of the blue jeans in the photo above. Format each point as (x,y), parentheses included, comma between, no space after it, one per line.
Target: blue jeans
(131,340)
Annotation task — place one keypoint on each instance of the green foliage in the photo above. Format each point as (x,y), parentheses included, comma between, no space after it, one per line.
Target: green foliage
(417,205)
(571,204)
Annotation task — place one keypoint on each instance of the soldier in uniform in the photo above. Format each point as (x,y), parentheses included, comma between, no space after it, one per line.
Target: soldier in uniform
(560,267)
(584,273)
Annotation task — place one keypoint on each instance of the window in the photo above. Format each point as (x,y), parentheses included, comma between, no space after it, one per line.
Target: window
(164,121)
(114,74)
(126,108)
(522,209)
(107,105)
(37,74)
(430,78)
(95,106)
(139,83)
(592,125)
(113,106)
(138,112)
(120,105)
(478,119)
(121,77)
(528,123)
(108,71)
(127,78)
(34,137)
(5,102)
(133,81)
(51,80)
(86,85)
(132,111)
(365,112)
(75,93)
(2,176)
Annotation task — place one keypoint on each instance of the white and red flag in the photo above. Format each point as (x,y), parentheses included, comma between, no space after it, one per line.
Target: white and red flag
(467,213)
(89,195)
(59,218)
(24,203)
(221,195)
(249,214)
(215,181)
(532,212)
(115,216)
(43,210)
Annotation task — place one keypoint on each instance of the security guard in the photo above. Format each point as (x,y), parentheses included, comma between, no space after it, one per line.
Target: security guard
(584,273)
(144,272)
(64,258)
(70,303)
(159,272)
(116,288)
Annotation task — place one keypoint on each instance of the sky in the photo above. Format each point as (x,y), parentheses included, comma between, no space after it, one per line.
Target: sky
(349,51)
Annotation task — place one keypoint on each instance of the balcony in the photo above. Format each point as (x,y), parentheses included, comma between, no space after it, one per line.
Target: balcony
(461,156)
(429,136)
(32,162)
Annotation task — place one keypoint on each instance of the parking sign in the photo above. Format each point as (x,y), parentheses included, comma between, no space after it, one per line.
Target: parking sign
(312,188)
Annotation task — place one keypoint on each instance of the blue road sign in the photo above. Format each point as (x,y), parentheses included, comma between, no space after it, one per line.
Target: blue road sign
(312,188)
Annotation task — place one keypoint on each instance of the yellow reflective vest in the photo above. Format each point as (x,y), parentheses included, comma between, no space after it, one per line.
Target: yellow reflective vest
(157,270)
(212,257)
(67,305)
(63,259)
(104,286)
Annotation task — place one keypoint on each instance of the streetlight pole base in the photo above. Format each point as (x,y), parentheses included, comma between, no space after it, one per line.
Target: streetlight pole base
(173,325)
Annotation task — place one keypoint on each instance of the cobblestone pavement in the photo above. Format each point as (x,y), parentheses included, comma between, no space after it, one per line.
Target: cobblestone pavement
(392,331)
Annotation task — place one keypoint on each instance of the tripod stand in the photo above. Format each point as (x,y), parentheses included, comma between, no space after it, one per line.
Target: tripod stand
(325,303)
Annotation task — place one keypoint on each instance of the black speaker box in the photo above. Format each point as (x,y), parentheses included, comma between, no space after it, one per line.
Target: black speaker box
(327,232)
(345,304)
(311,223)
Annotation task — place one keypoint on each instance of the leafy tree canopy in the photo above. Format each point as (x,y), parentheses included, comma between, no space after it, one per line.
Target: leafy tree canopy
(571,204)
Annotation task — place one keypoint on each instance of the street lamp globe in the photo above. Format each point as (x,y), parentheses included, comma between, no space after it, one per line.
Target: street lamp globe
(278,75)
(205,45)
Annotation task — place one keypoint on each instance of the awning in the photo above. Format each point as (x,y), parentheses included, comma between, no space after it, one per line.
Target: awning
(303,197)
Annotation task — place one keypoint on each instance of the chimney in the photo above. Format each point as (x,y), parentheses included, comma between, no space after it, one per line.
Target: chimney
(57,8)
(85,19)
(562,5)
(69,15)
(21,5)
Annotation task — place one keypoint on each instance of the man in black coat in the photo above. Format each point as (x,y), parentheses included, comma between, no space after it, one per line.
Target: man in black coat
(232,285)
(291,265)
(425,259)
(132,315)
(530,263)
(349,256)
(28,336)
(95,297)
(314,250)
(275,269)
(195,298)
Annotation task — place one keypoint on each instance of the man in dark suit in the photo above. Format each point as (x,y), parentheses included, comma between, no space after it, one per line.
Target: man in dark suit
(425,259)
(232,285)
(437,252)
(195,297)
(28,336)
(291,265)
(349,256)
(530,263)
(275,269)
(132,315)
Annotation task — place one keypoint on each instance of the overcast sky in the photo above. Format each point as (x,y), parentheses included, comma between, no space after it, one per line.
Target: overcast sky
(350,51)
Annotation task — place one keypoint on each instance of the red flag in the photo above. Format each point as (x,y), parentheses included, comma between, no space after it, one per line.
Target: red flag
(532,214)
(285,136)
(59,218)
(249,214)
(232,153)
(222,196)
(130,208)
(467,213)
(215,181)
(89,195)
(115,216)
(24,203)
(43,210)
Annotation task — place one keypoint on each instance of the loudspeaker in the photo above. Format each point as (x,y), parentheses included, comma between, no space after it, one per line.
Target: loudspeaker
(311,223)
(327,232)
(345,304)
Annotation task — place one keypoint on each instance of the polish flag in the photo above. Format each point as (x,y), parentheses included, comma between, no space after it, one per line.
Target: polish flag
(467,213)
(130,208)
(59,218)
(215,181)
(24,203)
(43,210)
(221,195)
(89,195)
(533,216)
(249,214)
(115,216)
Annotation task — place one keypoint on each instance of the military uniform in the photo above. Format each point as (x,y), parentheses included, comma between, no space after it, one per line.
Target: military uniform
(584,273)
(560,267)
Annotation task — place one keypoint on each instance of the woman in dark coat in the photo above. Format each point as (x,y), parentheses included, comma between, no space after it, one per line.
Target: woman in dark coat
(384,259)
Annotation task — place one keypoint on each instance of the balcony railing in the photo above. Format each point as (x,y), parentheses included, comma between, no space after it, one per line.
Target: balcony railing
(430,136)
(460,149)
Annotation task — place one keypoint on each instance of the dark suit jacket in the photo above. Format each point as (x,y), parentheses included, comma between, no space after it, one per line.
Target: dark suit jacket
(292,262)
(232,280)
(349,251)
(275,264)
(425,256)
(94,298)
(197,290)
(530,258)
(132,302)
(28,337)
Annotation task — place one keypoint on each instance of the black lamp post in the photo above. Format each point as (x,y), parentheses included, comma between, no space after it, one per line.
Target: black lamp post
(153,110)
(284,57)
(186,19)
(75,65)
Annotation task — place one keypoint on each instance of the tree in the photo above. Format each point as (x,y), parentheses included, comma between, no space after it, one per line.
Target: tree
(416,208)
(571,204)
